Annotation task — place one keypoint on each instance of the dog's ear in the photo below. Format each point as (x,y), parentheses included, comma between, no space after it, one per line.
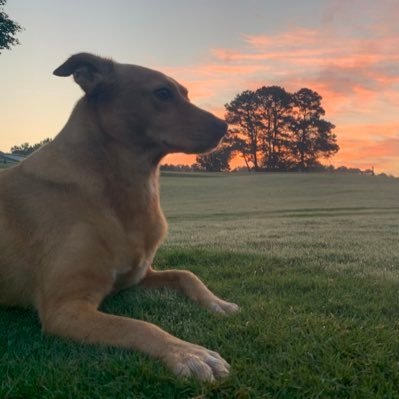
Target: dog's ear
(89,71)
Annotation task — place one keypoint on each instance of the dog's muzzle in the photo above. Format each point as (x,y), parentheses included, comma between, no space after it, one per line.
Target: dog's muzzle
(219,128)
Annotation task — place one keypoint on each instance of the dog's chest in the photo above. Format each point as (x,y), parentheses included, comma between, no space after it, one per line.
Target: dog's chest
(143,236)
(128,276)
(140,257)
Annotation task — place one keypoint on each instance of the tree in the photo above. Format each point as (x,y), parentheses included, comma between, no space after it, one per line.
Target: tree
(312,136)
(8,29)
(25,149)
(243,114)
(273,129)
(218,160)
(275,106)
(239,146)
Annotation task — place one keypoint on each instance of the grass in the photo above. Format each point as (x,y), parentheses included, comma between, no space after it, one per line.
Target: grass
(313,260)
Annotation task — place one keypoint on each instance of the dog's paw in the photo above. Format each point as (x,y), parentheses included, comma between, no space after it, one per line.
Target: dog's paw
(189,360)
(223,307)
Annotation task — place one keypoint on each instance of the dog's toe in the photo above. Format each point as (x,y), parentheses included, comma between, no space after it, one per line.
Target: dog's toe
(215,307)
(223,307)
(201,363)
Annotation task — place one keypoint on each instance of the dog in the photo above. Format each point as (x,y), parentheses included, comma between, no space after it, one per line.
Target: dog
(80,218)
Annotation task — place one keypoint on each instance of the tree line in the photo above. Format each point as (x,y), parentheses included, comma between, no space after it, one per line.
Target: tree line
(274,130)
(195,167)
(26,149)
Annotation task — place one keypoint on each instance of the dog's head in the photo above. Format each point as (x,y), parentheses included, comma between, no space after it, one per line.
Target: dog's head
(140,106)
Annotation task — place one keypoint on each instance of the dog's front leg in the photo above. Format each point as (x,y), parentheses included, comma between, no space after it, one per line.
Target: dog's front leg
(81,321)
(188,283)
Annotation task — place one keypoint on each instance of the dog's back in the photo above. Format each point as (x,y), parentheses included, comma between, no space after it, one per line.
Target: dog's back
(32,219)
(16,260)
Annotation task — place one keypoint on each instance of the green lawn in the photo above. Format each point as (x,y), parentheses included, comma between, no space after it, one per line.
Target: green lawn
(313,261)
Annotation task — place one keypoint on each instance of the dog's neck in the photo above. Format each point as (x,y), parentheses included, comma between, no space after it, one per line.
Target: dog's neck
(86,141)
(83,154)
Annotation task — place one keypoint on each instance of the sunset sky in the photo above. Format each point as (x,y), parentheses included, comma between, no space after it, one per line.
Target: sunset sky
(346,50)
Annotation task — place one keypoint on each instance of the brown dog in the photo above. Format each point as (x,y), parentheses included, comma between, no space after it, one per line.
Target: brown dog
(81,218)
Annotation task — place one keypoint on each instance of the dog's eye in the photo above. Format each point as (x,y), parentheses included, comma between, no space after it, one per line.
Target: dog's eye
(163,94)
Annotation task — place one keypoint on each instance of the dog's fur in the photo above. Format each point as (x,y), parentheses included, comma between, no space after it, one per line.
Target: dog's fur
(80,218)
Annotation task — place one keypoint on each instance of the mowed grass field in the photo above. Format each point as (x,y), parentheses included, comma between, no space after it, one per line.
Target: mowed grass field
(313,261)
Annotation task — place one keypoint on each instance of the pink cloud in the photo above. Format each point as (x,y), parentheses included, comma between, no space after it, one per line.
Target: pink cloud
(357,76)
(300,37)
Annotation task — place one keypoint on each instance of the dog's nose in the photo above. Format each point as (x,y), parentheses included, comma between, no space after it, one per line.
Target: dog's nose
(220,127)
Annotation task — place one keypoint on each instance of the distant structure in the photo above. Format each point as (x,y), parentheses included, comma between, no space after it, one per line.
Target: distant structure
(10,158)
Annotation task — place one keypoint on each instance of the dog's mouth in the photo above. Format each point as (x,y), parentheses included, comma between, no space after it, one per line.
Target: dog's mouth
(168,147)
(196,147)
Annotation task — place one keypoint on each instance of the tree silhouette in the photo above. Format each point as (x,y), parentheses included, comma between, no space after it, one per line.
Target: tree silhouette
(243,112)
(218,160)
(26,149)
(275,106)
(8,29)
(239,146)
(312,136)
(273,129)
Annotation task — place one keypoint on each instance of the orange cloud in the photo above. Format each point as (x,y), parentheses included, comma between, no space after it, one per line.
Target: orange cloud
(356,76)
(346,71)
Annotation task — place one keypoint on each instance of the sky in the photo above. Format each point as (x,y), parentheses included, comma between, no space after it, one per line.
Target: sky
(346,50)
